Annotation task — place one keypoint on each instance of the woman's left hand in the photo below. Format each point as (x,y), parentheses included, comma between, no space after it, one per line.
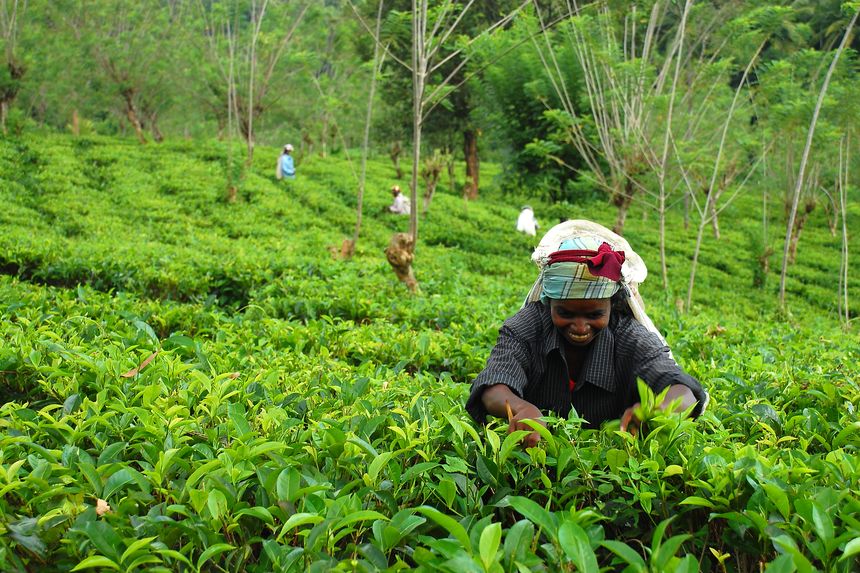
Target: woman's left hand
(630,420)
(678,393)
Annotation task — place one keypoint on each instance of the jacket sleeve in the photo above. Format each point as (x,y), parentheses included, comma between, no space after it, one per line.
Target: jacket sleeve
(508,364)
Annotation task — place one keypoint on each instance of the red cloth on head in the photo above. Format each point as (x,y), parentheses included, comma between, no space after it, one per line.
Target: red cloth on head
(604,262)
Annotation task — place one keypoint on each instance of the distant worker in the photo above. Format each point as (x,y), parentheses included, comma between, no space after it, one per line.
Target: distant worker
(400,206)
(286,167)
(526,222)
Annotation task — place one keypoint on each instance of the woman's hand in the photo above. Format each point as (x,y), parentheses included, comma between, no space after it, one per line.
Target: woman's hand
(500,401)
(630,420)
(677,392)
(526,411)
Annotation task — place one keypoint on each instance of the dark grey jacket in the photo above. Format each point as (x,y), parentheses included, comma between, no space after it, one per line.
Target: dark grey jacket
(529,358)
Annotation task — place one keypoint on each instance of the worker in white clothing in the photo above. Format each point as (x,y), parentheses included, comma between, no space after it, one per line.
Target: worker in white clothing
(526,222)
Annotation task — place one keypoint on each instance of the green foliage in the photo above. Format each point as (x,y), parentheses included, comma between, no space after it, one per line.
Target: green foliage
(244,402)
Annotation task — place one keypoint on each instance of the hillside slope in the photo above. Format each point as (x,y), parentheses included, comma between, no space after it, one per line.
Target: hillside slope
(243,401)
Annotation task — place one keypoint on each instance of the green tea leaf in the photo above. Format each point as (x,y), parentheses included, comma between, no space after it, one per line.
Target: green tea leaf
(96,561)
(535,513)
(116,482)
(851,548)
(696,500)
(363,515)
(491,536)
(211,552)
(575,544)
(260,513)
(625,552)
(298,520)
(778,497)
(450,525)
(239,417)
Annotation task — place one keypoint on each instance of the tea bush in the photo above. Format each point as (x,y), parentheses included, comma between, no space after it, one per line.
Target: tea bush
(244,402)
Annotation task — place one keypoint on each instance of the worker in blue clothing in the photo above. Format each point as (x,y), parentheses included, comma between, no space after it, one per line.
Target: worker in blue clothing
(286,166)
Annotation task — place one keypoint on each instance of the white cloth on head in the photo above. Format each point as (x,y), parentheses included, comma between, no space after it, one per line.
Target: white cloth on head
(526,222)
(633,271)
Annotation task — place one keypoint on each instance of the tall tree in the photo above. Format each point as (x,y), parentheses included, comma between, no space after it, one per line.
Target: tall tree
(430,31)
(263,31)
(12,69)
(349,248)
(129,41)
(806,149)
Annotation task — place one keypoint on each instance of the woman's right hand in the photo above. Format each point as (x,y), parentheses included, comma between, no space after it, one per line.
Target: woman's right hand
(501,402)
(526,411)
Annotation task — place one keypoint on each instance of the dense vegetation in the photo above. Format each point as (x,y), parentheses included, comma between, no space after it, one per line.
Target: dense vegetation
(205,368)
(244,401)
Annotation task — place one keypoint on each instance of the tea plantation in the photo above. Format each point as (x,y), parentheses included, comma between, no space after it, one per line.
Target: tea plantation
(243,401)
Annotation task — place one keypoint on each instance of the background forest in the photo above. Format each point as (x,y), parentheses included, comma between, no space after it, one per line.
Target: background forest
(206,368)
(669,104)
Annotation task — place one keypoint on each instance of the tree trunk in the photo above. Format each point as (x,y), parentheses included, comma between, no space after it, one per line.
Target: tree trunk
(431,179)
(324,136)
(809,135)
(10,91)
(799,222)
(348,248)
(686,210)
(153,127)
(395,152)
(76,123)
(131,113)
(308,142)
(623,202)
(714,221)
(4,112)
(449,163)
(470,150)
(400,253)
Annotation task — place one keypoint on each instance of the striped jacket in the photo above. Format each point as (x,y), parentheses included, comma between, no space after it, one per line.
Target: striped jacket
(529,358)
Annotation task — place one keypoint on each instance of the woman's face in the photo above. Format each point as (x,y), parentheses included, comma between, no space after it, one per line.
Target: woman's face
(580,320)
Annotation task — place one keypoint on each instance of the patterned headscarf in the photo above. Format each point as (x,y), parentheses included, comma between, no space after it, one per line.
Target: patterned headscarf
(582,268)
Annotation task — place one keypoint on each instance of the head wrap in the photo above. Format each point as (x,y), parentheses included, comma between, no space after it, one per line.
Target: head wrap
(597,272)
(582,268)
(633,270)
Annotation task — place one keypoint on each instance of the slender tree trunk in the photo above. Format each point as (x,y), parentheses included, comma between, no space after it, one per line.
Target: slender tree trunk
(449,164)
(470,150)
(395,152)
(419,75)
(324,136)
(664,271)
(799,223)
(667,136)
(348,252)
(843,264)
(4,113)
(809,135)
(132,114)
(715,224)
(256,22)
(711,194)
(232,189)
(623,202)
(153,127)
(686,209)
(76,123)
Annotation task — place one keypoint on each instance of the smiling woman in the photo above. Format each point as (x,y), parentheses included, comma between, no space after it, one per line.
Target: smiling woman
(580,341)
